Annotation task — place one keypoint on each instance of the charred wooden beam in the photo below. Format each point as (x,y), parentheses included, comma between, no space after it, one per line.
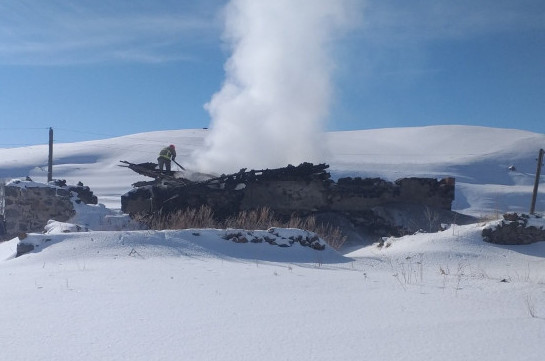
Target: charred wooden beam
(149,170)
(306,171)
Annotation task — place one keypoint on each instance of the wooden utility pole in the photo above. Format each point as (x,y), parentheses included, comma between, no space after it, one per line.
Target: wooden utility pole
(536,183)
(50,159)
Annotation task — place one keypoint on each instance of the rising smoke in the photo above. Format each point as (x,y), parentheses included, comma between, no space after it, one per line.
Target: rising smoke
(271,109)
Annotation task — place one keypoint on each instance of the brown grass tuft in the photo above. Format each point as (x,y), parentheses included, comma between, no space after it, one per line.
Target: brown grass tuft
(262,218)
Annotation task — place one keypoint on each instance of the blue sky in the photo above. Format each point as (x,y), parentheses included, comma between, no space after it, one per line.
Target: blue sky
(97,69)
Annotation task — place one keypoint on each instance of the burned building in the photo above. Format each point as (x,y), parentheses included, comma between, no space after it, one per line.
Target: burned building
(301,190)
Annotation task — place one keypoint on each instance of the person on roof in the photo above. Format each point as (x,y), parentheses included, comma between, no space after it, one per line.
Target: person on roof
(166,155)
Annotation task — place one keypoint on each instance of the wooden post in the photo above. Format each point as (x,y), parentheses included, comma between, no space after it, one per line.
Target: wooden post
(50,159)
(536,183)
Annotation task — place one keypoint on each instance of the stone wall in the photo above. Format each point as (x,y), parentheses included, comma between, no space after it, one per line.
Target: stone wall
(29,205)
(368,205)
(285,197)
(356,194)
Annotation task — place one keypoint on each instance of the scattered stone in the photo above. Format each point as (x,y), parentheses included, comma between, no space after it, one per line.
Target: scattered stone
(310,240)
(516,229)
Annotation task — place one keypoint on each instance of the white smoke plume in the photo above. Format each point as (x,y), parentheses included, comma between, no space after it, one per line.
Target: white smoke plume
(271,109)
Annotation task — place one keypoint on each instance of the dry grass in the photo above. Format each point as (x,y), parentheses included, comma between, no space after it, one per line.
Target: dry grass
(190,218)
(262,218)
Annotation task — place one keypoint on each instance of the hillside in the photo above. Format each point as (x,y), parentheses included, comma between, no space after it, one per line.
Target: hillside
(196,294)
(477,157)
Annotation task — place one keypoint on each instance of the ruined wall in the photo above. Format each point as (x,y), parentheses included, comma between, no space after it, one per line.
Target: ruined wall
(224,202)
(347,195)
(27,209)
(286,197)
(355,194)
(27,205)
(302,196)
(139,202)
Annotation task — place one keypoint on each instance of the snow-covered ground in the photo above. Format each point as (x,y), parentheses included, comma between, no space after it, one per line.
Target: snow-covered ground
(195,295)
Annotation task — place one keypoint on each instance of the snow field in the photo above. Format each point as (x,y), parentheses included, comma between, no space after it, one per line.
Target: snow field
(115,293)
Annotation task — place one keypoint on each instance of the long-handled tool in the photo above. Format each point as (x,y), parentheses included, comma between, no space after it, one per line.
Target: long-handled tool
(178,164)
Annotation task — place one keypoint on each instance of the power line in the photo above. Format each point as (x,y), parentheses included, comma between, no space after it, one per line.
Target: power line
(65,140)
(111,135)
(23,128)
(19,144)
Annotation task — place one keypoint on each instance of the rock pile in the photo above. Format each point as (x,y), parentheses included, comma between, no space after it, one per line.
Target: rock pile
(516,229)
(274,237)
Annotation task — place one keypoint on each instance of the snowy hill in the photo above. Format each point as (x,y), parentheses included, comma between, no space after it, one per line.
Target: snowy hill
(477,157)
(197,295)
